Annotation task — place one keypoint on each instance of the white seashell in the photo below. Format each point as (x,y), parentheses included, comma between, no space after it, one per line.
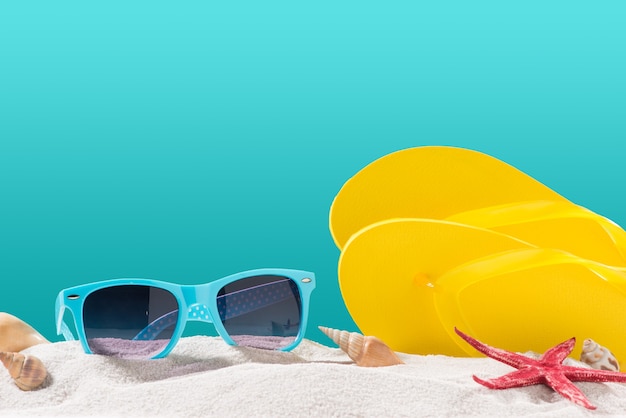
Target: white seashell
(365,351)
(598,357)
(28,371)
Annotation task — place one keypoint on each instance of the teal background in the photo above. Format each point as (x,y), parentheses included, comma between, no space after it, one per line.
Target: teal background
(185,141)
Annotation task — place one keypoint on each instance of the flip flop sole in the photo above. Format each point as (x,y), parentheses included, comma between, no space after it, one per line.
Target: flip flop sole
(411,281)
(388,275)
(470,187)
(429,182)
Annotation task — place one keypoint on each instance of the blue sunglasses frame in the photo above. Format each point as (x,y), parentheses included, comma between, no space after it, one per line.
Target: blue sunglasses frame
(199,301)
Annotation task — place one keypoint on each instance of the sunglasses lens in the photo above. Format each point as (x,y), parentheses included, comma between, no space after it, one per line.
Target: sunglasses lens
(130,321)
(261,311)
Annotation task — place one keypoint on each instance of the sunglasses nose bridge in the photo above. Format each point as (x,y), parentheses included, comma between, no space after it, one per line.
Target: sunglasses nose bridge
(199,312)
(196,299)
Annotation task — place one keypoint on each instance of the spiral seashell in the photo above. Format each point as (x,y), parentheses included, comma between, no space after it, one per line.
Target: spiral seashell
(28,371)
(365,351)
(598,357)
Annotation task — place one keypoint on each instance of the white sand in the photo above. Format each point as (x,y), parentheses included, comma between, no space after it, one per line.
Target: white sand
(205,377)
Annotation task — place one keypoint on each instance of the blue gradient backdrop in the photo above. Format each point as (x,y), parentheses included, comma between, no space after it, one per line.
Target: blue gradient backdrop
(185,141)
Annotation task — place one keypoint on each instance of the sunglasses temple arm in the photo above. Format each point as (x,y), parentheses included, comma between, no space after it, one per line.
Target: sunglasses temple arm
(154,328)
(233,305)
(66,332)
(62,327)
(249,300)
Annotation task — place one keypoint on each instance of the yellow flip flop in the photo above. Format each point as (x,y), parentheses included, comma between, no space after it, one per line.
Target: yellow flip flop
(411,281)
(470,187)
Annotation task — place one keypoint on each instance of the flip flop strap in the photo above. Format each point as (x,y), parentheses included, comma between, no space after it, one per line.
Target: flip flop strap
(523,212)
(449,286)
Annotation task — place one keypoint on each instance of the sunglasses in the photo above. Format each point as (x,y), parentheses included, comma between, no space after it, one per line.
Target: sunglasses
(143,318)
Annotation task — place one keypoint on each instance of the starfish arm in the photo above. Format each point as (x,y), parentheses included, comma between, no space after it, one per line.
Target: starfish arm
(583,374)
(558,353)
(518,378)
(507,357)
(559,382)
(548,370)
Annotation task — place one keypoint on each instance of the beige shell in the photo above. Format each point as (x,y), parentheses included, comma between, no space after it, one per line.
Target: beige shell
(366,351)
(598,357)
(28,371)
(16,335)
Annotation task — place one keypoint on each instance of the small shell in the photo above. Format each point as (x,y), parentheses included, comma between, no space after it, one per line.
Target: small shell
(366,351)
(598,357)
(28,371)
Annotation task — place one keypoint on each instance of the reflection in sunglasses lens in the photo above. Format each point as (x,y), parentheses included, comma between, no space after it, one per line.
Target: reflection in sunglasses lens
(261,311)
(130,321)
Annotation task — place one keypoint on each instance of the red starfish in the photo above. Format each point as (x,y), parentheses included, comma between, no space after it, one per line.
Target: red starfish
(547,370)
